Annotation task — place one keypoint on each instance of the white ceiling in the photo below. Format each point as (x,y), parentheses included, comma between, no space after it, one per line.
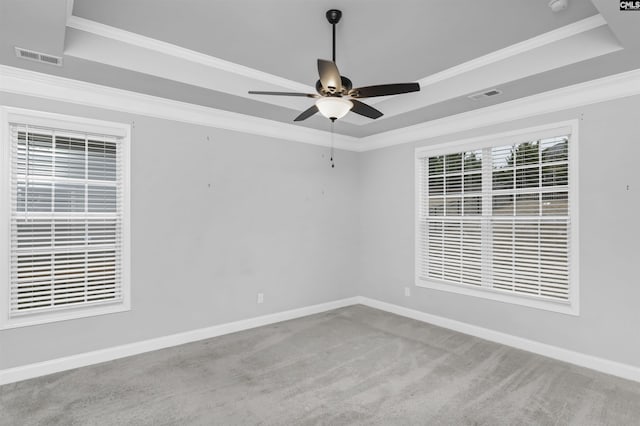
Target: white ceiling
(212,52)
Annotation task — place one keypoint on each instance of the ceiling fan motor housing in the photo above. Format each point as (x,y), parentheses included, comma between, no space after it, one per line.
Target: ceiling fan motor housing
(333,16)
(347,85)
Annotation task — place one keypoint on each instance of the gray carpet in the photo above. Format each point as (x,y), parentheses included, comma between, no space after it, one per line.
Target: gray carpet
(354,365)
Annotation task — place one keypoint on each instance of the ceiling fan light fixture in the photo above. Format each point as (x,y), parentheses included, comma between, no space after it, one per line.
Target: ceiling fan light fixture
(332,86)
(334,107)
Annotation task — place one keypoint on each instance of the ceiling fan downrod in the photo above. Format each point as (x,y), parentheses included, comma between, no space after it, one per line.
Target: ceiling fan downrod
(333,16)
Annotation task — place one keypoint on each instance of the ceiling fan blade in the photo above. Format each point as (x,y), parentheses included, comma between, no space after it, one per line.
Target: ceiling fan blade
(364,109)
(384,90)
(307,113)
(329,76)
(306,95)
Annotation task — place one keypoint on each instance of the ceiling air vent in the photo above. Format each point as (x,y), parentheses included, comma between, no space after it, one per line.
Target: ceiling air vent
(486,94)
(38,57)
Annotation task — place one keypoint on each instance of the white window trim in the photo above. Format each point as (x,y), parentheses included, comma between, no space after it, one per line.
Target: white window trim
(572,307)
(11,114)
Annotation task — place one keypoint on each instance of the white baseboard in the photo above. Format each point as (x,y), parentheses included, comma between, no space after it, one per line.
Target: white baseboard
(29,371)
(614,368)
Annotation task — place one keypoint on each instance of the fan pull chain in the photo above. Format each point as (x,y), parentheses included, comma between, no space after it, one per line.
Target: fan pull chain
(331,152)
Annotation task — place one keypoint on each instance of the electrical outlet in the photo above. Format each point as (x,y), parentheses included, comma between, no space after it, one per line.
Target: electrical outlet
(407,291)
(260,297)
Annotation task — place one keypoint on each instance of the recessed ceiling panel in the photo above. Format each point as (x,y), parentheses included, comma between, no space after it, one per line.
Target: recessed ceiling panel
(377,41)
(452,48)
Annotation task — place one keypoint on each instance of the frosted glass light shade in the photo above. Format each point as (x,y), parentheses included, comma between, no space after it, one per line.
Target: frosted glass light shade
(334,108)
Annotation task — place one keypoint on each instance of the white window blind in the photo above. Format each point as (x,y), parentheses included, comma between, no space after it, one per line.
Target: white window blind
(66,219)
(498,218)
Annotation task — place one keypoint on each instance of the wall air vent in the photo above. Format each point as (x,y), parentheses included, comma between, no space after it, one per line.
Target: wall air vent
(485,94)
(38,57)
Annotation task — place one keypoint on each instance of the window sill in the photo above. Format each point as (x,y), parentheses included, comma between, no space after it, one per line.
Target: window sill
(63,315)
(569,308)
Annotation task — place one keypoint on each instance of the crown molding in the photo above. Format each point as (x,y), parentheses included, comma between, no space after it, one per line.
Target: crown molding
(547,38)
(135,39)
(472,69)
(557,49)
(30,83)
(600,90)
(513,50)
(138,40)
(69,9)
(177,63)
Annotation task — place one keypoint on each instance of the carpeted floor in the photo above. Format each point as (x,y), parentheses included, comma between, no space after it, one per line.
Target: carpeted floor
(354,365)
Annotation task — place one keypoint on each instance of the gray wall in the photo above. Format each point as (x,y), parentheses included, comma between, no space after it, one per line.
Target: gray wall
(276,219)
(609,151)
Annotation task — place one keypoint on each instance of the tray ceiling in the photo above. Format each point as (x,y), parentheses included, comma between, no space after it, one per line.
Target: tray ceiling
(211,53)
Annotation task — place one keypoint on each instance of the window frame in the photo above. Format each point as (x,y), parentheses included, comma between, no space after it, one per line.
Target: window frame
(570,307)
(73,123)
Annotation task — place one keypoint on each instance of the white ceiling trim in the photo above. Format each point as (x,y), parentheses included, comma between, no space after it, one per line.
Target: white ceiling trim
(591,92)
(135,39)
(106,51)
(138,40)
(235,79)
(509,52)
(69,9)
(547,38)
(582,47)
(30,83)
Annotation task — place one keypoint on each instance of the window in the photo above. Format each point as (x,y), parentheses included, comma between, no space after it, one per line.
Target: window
(496,217)
(66,186)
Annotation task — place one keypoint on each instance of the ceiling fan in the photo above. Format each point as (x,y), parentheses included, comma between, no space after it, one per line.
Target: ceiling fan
(336,95)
